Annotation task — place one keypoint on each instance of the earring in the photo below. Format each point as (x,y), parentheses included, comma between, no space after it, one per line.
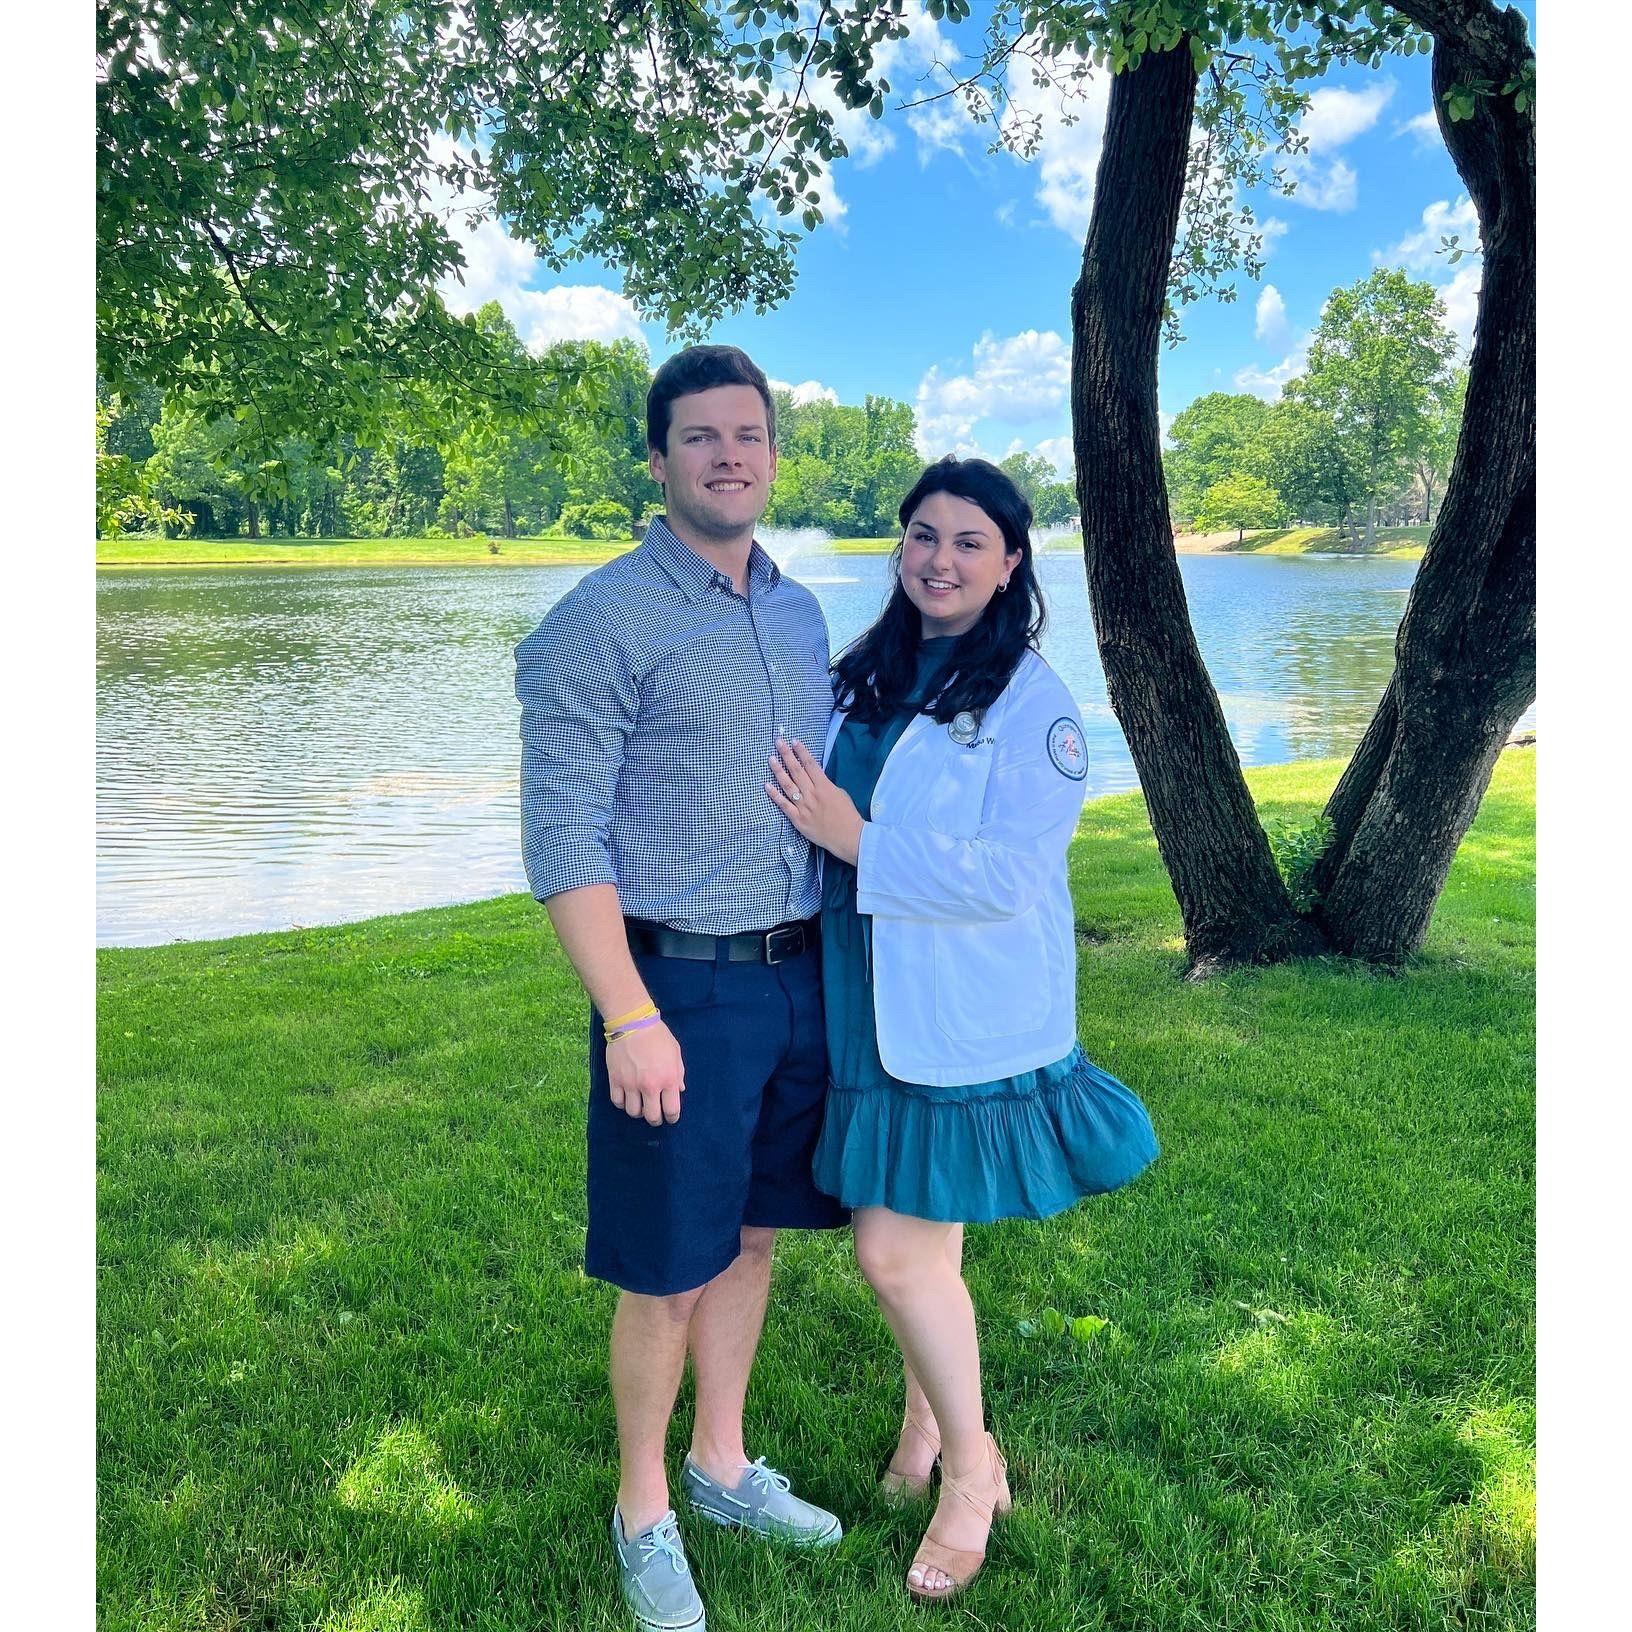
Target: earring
(1002,586)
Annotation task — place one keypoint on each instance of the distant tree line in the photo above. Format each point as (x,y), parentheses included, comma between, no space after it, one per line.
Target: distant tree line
(1364,437)
(163,462)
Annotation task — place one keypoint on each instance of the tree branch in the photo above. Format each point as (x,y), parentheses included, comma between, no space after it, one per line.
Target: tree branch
(238,282)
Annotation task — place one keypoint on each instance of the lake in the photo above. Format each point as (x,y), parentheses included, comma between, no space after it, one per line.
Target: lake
(310,746)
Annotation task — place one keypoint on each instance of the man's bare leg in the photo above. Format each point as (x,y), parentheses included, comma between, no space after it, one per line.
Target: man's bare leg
(648,1356)
(725,1328)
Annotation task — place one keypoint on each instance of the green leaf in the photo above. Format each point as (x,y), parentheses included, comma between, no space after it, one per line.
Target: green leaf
(1085,1328)
(1053,1322)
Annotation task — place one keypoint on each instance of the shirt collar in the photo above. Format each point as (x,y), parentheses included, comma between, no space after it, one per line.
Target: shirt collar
(695,576)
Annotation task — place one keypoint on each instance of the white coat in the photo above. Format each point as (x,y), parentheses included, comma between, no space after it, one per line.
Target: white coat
(962,868)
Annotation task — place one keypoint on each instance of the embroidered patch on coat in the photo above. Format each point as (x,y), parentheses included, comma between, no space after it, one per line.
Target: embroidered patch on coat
(1067,749)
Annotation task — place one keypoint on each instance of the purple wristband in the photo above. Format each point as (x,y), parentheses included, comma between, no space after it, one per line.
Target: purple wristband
(636,1025)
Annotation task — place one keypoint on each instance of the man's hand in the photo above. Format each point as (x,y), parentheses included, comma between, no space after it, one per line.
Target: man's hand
(816,806)
(646,1074)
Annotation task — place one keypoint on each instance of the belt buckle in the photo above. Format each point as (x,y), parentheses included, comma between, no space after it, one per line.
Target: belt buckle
(792,937)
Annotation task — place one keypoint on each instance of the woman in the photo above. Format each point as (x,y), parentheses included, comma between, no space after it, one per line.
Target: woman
(953,782)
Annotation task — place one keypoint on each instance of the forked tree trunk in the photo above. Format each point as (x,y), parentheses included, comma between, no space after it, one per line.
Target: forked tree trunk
(1234,904)
(1465,656)
(1465,653)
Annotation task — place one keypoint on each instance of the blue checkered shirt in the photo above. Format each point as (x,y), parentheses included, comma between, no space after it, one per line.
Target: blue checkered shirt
(651,696)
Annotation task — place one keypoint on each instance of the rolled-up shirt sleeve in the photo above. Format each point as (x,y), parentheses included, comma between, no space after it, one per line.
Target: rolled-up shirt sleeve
(579,701)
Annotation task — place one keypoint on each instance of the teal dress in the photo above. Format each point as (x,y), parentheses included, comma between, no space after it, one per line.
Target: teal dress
(1025,1146)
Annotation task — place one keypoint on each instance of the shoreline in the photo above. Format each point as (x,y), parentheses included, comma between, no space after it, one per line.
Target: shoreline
(1399,543)
(1520,739)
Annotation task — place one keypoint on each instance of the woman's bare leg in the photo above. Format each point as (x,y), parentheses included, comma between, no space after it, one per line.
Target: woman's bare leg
(908,1262)
(914,1453)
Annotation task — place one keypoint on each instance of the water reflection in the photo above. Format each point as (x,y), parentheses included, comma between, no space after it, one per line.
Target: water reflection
(310,747)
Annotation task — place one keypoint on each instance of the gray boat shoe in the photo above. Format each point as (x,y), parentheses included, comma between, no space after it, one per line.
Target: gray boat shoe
(655,1577)
(762,1502)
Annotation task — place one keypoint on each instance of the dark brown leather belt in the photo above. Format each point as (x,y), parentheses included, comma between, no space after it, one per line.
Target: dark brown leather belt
(757,946)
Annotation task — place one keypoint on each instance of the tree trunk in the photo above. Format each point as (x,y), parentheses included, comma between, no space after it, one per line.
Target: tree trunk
(1234,905)
(1465,658)
(254,516)
(509,520)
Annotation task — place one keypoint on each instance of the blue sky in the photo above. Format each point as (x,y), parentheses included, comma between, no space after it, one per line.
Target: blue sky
(943,273)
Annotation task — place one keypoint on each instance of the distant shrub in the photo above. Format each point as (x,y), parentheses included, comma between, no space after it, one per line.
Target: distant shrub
(605,518)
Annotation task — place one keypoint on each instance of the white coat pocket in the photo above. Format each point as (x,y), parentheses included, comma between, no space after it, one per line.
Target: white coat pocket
(991,979)
(957,794)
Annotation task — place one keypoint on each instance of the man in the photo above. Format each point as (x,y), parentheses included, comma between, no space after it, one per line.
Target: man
(652,696)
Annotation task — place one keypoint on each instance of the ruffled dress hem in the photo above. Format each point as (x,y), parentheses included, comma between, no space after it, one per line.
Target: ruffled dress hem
(1022,1149)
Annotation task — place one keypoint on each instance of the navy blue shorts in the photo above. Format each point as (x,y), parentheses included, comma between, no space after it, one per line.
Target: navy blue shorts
(667,1204)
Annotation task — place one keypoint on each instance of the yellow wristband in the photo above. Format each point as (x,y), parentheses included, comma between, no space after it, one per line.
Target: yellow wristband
(635,1014)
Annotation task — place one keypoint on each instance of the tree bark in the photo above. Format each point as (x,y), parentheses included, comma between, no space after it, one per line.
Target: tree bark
(254,518)
(1465,656)
(1234,905)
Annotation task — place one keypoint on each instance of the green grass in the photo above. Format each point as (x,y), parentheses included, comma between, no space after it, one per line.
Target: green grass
(1402,543)
(352,1376)
(356,552)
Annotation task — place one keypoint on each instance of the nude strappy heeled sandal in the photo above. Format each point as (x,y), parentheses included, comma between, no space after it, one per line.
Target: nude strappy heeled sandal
(898,1488)
(959,1565)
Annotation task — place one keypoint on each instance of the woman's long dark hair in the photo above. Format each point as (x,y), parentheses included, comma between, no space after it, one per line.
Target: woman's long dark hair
(874,675)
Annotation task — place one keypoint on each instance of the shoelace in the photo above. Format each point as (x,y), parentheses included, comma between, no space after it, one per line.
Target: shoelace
(766,1479)
(664,1538)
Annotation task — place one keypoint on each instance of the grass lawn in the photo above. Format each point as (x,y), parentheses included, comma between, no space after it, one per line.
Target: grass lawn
(353,1379)
(1403,543)
(356,552)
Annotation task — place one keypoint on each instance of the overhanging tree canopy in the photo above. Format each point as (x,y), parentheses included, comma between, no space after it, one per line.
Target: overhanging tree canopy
(275,180)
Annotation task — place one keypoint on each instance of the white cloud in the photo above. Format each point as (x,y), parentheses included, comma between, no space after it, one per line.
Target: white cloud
(1267,382)
(1461,297)
(1423,130)
(1057,451)
(1334,118)
(806,391)
(1269,321)
(579,311)
(911,64)
(499,267)
(940,128)
(1334,187)
(496,266)
(1014,380)
(1071,125)
(1420,251)
(1272,229)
